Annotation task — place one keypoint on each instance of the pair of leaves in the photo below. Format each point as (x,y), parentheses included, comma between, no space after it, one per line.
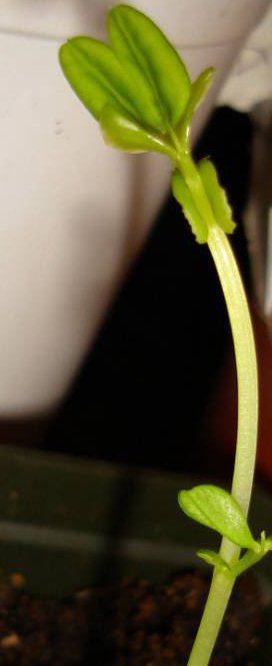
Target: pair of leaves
(137,81)
(217,509)
(139,90)
(216,200)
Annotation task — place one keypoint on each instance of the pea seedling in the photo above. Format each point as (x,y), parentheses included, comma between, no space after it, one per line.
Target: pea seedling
(139,90)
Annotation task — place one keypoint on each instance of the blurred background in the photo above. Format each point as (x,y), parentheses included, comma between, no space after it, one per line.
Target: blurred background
(114,340)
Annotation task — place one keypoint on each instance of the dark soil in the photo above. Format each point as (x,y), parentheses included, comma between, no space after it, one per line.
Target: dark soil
(132,623)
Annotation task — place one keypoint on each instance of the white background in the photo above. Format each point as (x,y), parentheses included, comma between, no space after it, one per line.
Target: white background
(73,212)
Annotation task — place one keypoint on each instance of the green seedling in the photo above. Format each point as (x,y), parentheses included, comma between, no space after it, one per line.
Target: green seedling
(140,92)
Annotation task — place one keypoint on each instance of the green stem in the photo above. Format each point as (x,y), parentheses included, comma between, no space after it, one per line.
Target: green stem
(248,560)
(246,363)
(216,604)
(243,339)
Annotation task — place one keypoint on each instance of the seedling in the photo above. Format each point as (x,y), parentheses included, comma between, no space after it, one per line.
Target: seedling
(139,90)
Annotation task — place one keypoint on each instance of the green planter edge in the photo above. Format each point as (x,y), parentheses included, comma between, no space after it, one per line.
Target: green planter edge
(66,523)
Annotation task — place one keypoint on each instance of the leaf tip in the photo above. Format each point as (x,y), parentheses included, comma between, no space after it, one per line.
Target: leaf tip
(181,498)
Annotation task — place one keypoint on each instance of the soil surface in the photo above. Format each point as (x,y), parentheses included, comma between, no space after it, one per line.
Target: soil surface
(131,623)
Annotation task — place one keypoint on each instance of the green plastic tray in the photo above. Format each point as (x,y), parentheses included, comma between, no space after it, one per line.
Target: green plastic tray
(66,523)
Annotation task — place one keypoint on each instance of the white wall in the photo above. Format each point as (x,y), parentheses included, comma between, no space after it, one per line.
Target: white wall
(72,210)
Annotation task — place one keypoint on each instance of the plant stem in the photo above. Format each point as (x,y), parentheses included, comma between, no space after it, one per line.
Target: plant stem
(246,364)
(236,302)
(216,604)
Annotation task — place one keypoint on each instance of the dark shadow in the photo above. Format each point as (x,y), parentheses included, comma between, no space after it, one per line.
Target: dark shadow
(28,431)
(143,390)
(118,521)
(108,571)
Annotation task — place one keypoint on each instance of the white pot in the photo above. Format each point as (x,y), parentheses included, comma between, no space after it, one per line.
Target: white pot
(73,211)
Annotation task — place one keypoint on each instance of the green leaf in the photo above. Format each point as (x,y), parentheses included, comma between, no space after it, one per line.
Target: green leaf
(137,40)
(140,74)
(98,78)
(95,74)
(199,89)
(267,544)
(213,558)
(216,508)
(124,133)
(183,195)
(217,196)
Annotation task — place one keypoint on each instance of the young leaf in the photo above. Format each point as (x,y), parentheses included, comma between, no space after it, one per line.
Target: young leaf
(95,74)
(267,544)
(124,133)
(183,195)
(141,74)
(217,196)
(213,558)
(198,90)
(98,78)
(136,39)
(216,508)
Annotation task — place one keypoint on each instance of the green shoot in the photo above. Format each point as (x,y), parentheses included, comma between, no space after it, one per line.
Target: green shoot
(217,509)
(139,90)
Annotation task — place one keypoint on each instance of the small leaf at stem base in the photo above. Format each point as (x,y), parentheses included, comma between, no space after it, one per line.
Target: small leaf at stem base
(217,196)
(216,508)
(184,197)
(213,558)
